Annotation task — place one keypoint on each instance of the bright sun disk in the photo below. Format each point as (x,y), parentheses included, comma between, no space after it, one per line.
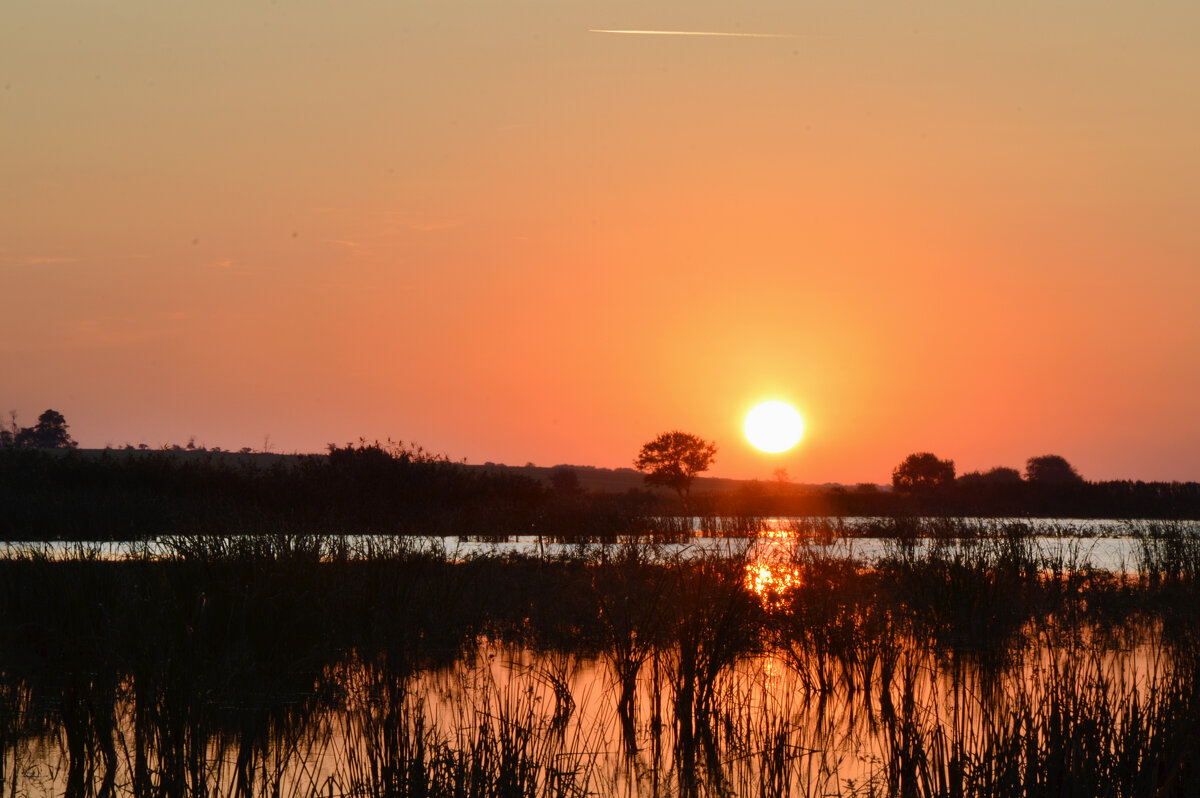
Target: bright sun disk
(774,426)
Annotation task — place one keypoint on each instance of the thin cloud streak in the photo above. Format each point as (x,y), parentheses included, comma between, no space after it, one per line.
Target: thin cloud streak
(696,33)
(39,260)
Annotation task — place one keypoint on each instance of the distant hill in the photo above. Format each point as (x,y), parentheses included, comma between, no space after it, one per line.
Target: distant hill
(591,478)
(620,480)
(133,491)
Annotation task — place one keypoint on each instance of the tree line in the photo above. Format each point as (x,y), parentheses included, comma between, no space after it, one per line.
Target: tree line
(1049,486)
(922,484)
(924,472)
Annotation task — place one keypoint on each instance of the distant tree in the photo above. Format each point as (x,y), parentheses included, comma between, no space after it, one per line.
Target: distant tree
(50,432)
(564,481)
(1051,469)
(673,460)
(922,472)
(1001,475)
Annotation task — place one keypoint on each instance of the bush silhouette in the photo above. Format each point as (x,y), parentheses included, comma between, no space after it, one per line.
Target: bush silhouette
(922,472)
(1051,469)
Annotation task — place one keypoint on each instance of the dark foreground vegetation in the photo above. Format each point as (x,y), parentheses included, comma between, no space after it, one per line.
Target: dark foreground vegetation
(126,495)
(306,666)
(66,494)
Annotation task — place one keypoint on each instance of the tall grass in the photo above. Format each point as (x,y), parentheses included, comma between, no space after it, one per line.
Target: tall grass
(308,665)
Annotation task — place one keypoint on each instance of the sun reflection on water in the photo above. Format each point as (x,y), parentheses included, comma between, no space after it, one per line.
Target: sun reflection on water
(770,572)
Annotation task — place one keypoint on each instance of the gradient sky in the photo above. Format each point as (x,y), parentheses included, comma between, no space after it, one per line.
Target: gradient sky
(968,228)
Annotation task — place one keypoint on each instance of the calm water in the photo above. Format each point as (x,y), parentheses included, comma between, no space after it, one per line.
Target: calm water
(556,719)
(1104,544)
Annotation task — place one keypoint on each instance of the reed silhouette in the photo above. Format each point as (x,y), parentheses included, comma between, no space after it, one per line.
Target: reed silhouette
(305,665)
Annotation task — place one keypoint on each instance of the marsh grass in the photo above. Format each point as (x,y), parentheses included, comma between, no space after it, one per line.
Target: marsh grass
(961,663)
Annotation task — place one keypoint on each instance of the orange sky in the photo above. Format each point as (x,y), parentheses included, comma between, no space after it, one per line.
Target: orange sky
(963,228)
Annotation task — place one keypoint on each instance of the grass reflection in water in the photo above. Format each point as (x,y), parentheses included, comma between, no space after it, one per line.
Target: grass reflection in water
(303,667)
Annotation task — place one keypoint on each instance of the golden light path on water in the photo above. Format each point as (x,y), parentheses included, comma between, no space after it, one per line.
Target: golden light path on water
(771,572)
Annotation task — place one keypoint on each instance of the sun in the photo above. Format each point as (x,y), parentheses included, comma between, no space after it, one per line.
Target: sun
(774,426)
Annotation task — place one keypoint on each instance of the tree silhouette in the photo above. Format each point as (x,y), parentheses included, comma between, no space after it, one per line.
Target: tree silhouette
(673,460)
(922,472)
(50,432)
(1051,469)
(1000,475)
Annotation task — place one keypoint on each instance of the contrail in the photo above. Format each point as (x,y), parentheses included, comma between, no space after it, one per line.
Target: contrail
(696,33)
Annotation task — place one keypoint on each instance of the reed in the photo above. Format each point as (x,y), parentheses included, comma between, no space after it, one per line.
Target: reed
(283,664)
